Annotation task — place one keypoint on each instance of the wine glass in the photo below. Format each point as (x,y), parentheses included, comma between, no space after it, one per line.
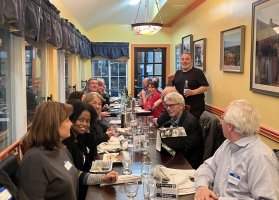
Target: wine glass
(131,189)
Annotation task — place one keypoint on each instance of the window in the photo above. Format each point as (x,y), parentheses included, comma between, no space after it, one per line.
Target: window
(113,72)
(149,62)
(33,63)
(177,56)
(5,134)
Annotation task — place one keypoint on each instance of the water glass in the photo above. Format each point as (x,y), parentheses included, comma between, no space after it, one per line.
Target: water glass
(131,189)
(126,162)
(124,144)
(152,188)
(146,169)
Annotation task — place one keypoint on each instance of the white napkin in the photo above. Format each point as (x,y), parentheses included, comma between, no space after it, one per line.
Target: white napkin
(124,179)
(115,122)
(182,178)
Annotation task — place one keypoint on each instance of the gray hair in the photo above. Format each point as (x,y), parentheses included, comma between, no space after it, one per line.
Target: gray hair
(243,116)
(175,97)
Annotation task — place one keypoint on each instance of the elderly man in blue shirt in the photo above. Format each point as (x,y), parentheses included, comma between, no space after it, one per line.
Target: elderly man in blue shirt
(243,167)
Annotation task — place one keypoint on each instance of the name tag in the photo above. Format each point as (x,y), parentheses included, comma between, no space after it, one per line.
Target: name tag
(5,194)
(158,141)
(166,191)
(67,165)
(233,178)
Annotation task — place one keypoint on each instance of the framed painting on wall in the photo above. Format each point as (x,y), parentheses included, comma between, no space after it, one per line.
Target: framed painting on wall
(199,55)
(232,49)
(264,73)
(187,44)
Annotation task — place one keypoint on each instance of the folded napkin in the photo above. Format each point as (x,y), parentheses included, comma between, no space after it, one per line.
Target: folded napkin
(182,178)
(115,121)
(124,179)
(106,147)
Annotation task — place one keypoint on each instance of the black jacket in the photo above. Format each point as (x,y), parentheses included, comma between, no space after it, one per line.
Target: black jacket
(99,129)
(192,145)
(83,149)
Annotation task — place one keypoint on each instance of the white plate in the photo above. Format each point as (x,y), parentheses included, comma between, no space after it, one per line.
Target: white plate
(101,167)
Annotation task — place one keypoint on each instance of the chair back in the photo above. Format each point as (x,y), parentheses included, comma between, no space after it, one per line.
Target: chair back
(212,133)
(10,166)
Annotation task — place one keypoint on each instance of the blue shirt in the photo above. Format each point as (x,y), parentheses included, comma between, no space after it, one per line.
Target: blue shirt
(246,169)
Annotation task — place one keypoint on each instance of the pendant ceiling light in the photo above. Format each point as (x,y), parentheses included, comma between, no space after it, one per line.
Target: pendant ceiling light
(146,28)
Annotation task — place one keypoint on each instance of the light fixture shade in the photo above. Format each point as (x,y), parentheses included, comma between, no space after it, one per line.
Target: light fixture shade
(146,28)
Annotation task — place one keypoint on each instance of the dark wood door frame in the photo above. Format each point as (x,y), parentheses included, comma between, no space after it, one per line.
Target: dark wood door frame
(132,72)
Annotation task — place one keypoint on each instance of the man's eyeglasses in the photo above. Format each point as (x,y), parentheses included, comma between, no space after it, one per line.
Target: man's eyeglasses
(170,105)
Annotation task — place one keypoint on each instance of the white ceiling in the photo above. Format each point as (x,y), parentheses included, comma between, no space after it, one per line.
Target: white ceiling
(91,13)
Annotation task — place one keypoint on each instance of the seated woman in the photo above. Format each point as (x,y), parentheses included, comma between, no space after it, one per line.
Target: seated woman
(153,96)
(47,171)
(82,144)
(99,127)
(192,144)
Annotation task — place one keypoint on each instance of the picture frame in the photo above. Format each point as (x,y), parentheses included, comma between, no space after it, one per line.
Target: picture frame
(232,49)
(199,55)
(187,44)
(264,72)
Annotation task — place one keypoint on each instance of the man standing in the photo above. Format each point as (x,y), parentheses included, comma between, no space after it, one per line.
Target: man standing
(197,85)
(243,167)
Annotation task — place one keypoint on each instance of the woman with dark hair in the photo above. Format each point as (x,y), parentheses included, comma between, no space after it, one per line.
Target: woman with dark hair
(82,145)
(74,96)
(47,171)
(153,96)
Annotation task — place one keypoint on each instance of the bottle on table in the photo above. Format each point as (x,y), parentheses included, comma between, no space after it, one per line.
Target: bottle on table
(186,87)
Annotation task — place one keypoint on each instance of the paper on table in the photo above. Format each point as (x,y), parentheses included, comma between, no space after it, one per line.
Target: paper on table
(124,179)
(182,178)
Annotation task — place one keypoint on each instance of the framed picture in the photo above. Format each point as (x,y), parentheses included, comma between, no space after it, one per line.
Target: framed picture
(264,73)
(187,44)
(200,54)
(232,49)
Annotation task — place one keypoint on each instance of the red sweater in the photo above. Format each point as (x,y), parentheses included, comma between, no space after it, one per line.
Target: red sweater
(151,99)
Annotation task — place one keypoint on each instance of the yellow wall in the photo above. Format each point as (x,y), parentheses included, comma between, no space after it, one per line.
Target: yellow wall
(207,21)
(123,33)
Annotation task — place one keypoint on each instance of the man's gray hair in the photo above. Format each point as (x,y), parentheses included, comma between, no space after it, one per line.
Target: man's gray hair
(243,116)
(175,97)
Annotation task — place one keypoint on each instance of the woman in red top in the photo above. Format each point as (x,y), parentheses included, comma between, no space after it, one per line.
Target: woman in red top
(153,96)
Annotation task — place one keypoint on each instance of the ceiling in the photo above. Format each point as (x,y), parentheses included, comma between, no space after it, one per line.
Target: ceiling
(92,13)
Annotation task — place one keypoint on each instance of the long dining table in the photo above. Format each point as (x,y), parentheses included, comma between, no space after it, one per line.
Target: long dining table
(116,192)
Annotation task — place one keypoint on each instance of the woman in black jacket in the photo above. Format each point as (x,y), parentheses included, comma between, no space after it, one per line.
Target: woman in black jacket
(82,145)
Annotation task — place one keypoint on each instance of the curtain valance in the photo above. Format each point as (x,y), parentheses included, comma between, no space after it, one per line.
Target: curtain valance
(110,50)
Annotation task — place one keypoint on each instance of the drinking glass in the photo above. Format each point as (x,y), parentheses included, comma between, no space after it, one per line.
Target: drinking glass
(145,141)
(150,123)
(124,144)
(131,189)
(152,188)
(126,162)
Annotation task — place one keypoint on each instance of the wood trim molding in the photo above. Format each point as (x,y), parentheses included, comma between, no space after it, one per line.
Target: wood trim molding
(133,46)
(265,131)
(13,148)
(185,12)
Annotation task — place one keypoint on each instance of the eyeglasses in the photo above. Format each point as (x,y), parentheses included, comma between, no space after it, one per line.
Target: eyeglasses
(170,105)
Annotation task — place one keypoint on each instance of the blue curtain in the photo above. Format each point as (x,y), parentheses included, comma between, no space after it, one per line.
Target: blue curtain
(110,50)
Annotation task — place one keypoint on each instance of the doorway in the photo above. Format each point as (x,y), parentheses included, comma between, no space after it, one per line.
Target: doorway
(149,62)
